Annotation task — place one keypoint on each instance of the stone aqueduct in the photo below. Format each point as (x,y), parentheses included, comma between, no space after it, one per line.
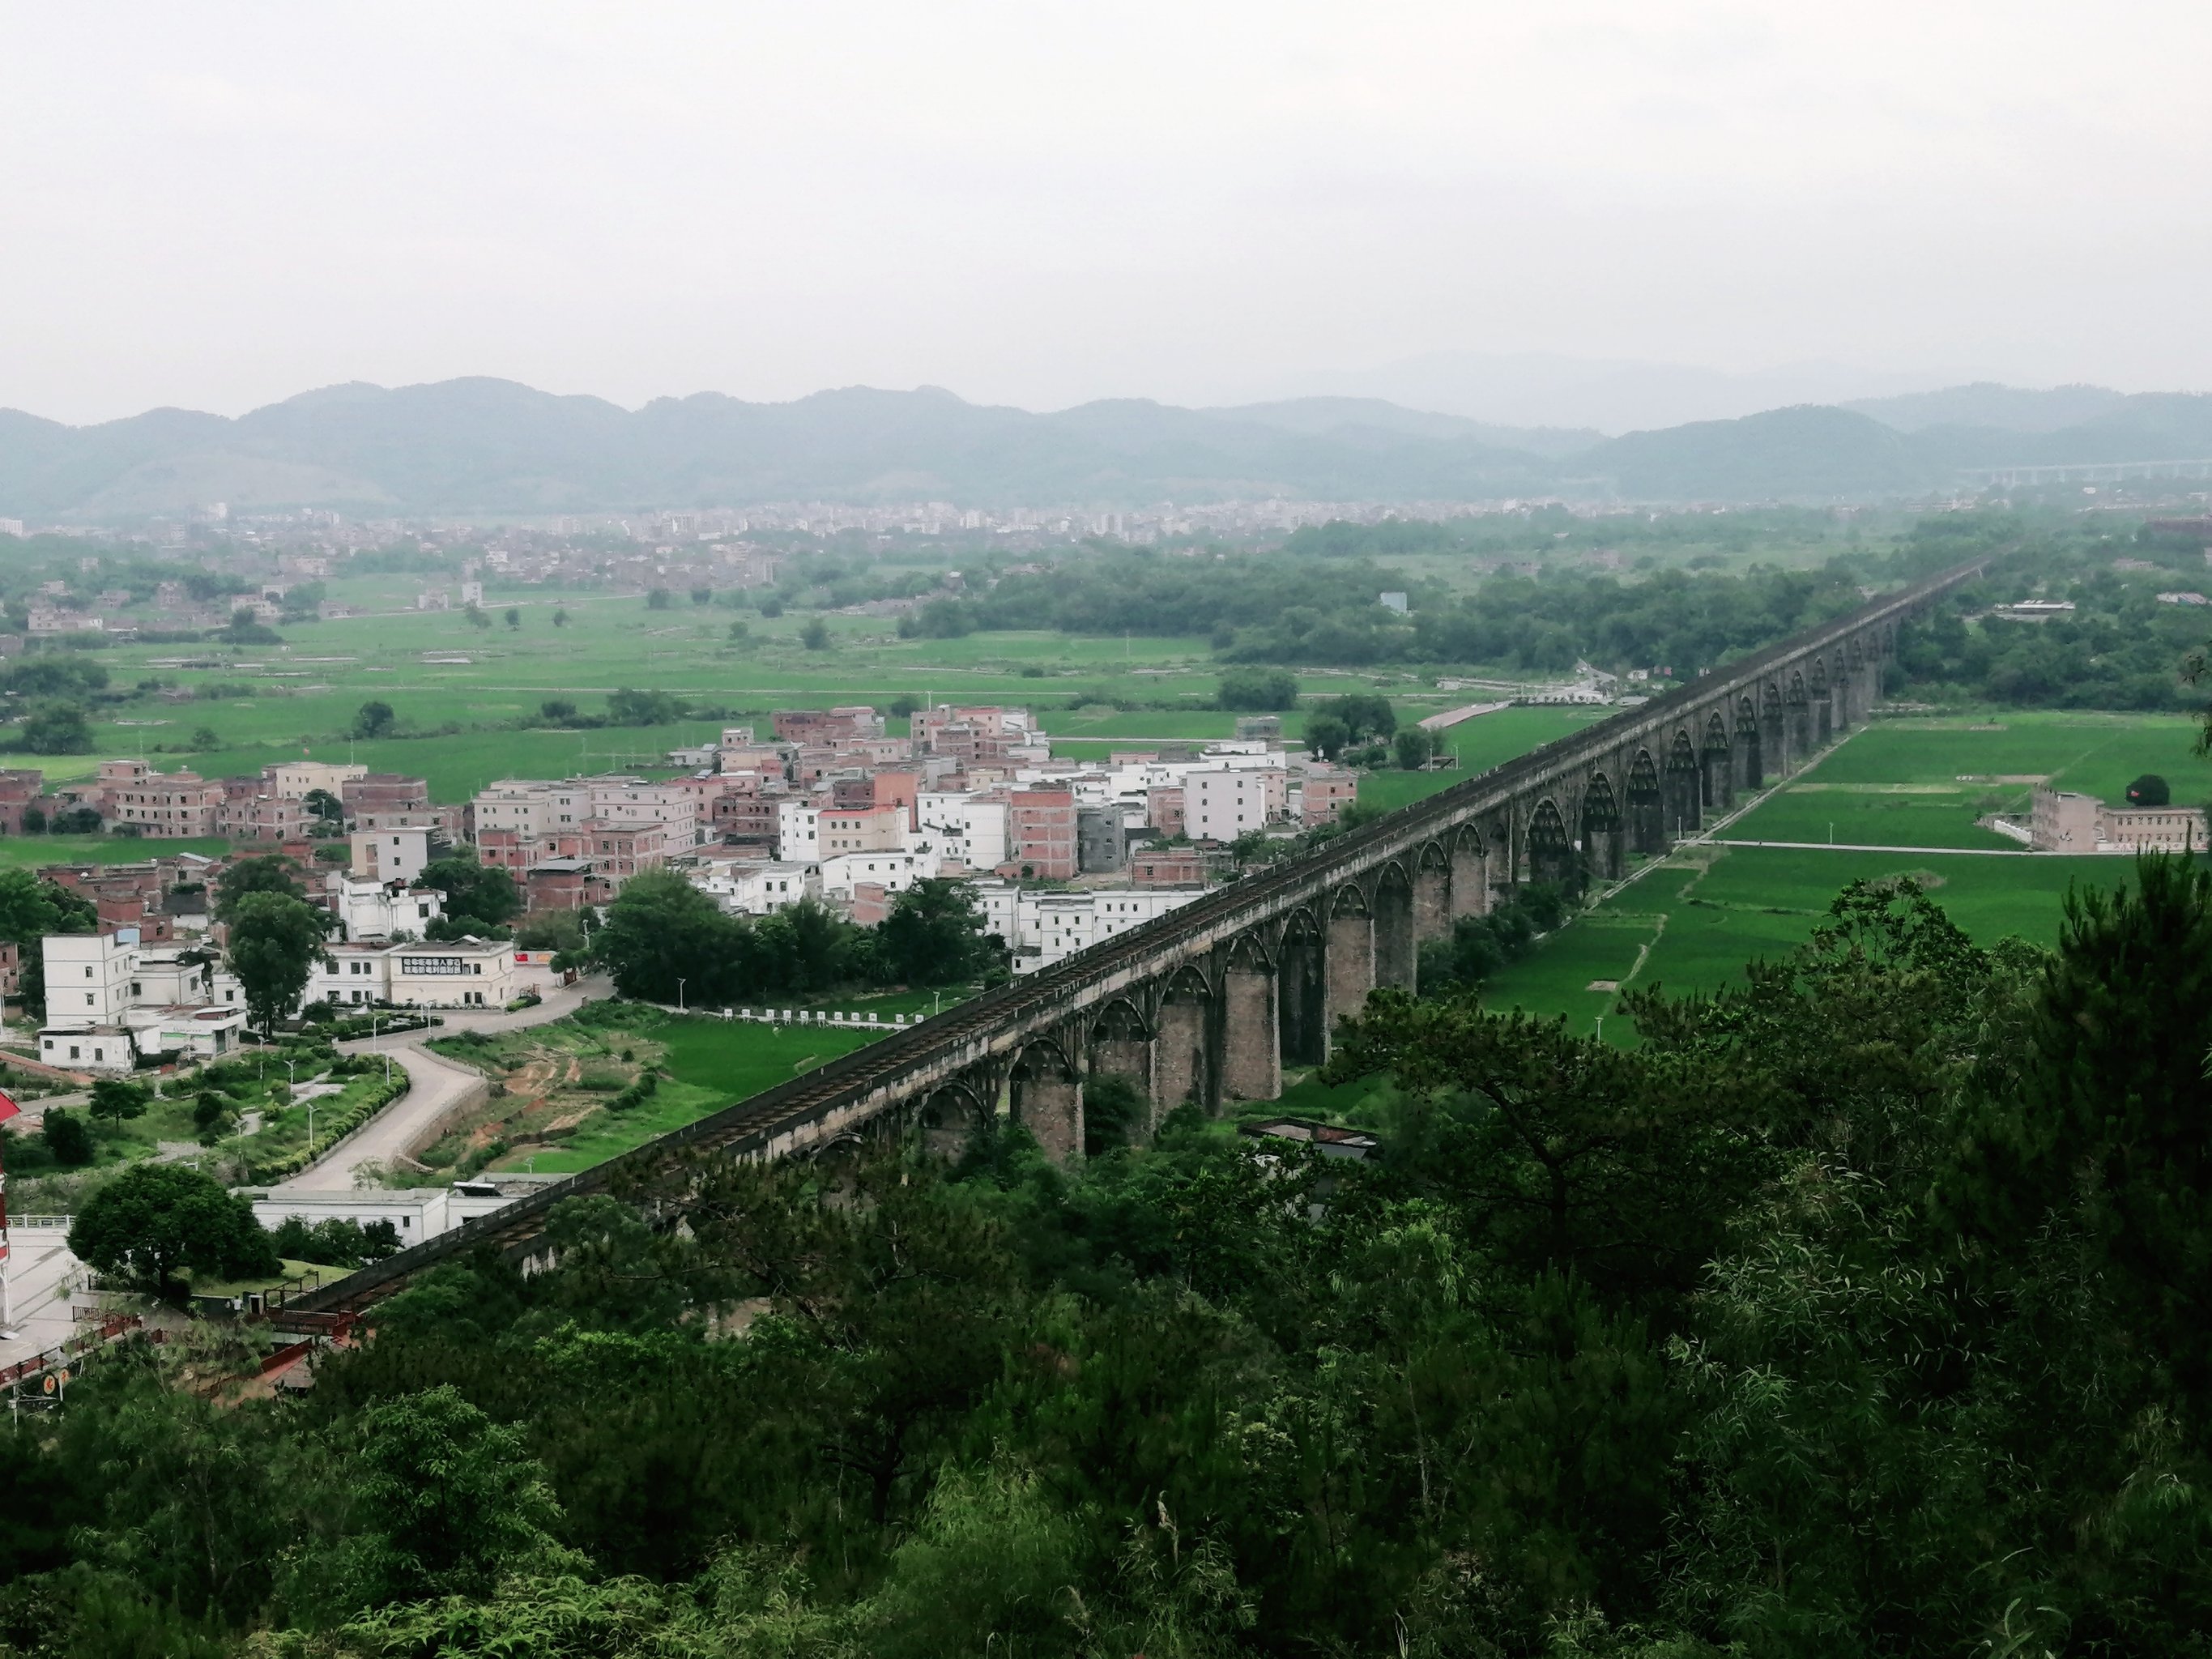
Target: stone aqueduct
(1210,1002)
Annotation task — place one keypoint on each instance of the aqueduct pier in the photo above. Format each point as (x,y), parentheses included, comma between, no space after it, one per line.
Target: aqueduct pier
(1210,1002)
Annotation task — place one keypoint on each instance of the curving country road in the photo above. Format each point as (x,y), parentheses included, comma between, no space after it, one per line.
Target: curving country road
(433,1083)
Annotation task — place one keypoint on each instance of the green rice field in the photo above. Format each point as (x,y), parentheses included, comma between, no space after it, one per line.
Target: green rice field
(1690,923)
(1924,783)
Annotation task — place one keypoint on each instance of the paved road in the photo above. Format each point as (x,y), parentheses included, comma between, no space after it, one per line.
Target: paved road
(433,1085)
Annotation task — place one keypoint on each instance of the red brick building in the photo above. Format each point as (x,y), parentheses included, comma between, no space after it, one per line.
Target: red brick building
(1167,866)
(19,788)
(1041,833)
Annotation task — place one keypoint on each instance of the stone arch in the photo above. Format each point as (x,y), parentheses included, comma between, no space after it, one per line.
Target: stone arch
(1048,1099)
(1043,1058)
(1647,806)
(1643,777)
(1433,857)
(1301,989)
(1349,900)
(1819,685)
(1682,787)
(1121,1045)
(1120,1021)
(1187,984)
(1801,715)
(1600,807)
(1391,898)
(1550,848)
(949,1118)
(1750,747)
(1180,1043)
(1716,764)
(1854,654)
(1248,954)
(1602,824)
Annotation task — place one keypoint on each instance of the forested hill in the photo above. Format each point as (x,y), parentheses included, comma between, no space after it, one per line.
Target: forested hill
(492,447)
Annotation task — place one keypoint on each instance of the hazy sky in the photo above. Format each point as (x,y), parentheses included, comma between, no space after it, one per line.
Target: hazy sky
(217,205)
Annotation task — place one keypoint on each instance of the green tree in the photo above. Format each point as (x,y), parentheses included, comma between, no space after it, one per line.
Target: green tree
(740,630)
(815,636)
(659,599)
(2104,1133)
(479,897)
(66,1137)
(1248,690)
(514,615)
(269,874)
(116,1101)
(933,934)
(477,617)
(558,930)
(702,596)
(1327,735)
(155,1220)
(559,616)
(1414,747)
(1564,1154)
(374,718)
(31,909)
(2149,790)
(660,926)
(274,943)
(627,707)
(325,806)
(447,1502)
(57,728)
(1365,715)
(205,737)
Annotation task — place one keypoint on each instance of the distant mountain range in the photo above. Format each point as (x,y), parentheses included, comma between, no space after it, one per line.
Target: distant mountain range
(495,448)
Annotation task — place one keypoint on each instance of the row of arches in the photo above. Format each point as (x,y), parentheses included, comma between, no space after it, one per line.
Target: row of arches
(1224,1027)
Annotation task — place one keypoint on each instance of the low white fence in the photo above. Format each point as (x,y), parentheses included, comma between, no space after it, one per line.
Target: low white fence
(823,1016)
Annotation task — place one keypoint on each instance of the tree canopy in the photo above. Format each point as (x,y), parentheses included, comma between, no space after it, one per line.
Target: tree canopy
(154,1220)
(275,941)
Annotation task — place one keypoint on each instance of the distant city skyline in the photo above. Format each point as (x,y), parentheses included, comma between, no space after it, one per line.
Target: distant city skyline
(215,208)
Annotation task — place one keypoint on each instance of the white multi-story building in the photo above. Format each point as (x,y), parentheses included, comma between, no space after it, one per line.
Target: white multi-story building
(894,872)
(389,855)
(296,780)
(111,998)
(966,828)
(465,973)
(798,833)
(517,804)
(1221,806)
(88,976)
(383,909)
(754,887)
(1041,928)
